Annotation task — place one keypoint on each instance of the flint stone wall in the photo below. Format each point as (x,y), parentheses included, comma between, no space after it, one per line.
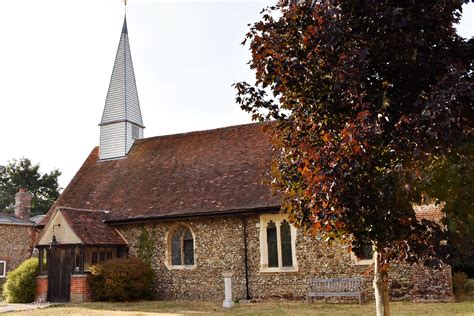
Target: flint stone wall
(16,245)
(219,247)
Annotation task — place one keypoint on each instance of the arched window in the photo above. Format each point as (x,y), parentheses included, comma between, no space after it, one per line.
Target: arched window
(277,244)
(272,244)
(182,247)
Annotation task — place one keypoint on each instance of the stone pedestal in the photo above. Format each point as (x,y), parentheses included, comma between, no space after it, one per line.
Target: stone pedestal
(228,302)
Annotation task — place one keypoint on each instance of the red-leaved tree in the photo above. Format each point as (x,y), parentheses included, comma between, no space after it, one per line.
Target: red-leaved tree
(372,101)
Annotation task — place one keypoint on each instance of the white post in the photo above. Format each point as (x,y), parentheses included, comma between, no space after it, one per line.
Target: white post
(228,302)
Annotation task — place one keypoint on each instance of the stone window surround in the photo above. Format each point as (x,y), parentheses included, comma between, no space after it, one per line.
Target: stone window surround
(169,242)
(277,219)
(362,262)
(3,272)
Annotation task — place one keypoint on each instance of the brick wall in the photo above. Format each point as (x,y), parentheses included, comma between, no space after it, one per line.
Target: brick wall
(79,288)
(430,212)
(219,247)
(41,288)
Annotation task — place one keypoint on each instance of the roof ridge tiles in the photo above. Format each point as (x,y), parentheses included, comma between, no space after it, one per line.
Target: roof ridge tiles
(67,208)
(205,131)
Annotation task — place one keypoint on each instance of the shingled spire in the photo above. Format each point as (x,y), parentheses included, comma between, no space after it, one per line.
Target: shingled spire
(121,121)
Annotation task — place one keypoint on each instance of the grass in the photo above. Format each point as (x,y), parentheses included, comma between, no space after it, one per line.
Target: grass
(265,308)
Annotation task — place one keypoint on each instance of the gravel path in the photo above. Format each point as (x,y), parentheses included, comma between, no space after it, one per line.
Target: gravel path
(20,307)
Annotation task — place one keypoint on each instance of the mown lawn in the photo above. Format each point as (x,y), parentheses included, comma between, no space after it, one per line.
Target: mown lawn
(266,308)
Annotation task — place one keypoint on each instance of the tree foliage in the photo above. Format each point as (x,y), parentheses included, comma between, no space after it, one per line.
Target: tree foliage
(23,173)
(373,106)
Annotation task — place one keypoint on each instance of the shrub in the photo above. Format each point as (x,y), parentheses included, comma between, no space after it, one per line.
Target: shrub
(20,286)
(121,280)
(469,287)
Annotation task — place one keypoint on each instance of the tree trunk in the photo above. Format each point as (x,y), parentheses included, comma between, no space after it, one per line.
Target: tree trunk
(386,309)
(381,286)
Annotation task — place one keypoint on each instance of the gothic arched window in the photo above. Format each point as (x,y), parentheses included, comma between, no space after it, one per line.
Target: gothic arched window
(277,241)
(182,247)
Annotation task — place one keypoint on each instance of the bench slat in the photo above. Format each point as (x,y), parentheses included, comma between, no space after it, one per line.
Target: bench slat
(334,294)
(318,287)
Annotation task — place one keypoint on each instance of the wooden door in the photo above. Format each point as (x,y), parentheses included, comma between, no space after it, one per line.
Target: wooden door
(60,262)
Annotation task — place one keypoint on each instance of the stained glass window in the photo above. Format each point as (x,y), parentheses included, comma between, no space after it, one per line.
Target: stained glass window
(188,248)
(272,245)
(285,236)
(182,247)
(279,243)
(176,248)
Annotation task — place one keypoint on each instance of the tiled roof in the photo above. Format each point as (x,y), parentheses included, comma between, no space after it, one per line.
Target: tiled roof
(7,219)
(207,172)
(90,227)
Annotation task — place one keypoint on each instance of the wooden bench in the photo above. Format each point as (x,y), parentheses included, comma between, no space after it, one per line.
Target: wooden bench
(338,287)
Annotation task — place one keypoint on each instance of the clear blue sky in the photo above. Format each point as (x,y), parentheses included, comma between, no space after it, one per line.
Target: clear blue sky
(57,57)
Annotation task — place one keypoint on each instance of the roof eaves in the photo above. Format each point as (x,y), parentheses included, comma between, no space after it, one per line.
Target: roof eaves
(17,224)
(12,220)
(141,219)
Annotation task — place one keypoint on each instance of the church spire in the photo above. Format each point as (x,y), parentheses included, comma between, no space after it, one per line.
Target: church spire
(124,27)
(121,120)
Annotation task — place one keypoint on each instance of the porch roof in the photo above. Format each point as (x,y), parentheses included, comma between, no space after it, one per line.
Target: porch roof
(89,226)
(80,226)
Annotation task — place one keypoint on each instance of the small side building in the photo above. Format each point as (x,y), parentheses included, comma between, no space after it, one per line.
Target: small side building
(17,235)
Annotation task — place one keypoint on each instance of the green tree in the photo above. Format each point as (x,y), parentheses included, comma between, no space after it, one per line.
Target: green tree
(373,102)
(23,173)
(452,177)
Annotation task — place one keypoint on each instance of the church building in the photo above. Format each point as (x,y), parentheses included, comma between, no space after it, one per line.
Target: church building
(202,199)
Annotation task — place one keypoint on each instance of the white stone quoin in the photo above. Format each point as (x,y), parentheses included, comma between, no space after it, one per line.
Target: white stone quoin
(228,302)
